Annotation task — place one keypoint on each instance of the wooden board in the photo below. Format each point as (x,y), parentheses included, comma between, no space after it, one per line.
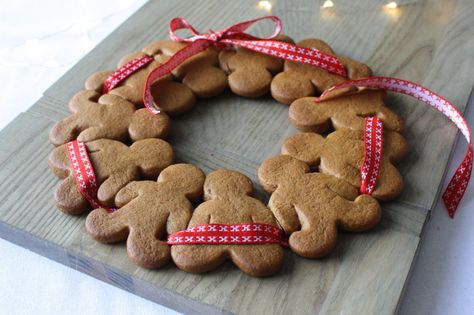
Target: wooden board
(425,41)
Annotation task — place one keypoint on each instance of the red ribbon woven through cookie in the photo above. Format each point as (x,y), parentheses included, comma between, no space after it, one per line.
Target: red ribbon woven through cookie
(229,234)
(122,73)
(373,150)
(458,183)
(234,35)
(84,173)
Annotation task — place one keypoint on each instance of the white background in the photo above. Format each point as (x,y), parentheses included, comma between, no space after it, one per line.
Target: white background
(41,40)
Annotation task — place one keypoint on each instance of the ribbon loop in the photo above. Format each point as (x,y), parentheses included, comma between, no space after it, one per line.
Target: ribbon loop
(234,31)
(179,23)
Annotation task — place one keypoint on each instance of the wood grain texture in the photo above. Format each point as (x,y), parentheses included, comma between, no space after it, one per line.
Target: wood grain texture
(430,42)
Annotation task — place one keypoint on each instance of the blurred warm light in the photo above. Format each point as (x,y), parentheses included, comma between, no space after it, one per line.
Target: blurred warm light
(265,5)
(328,4)
(392,10)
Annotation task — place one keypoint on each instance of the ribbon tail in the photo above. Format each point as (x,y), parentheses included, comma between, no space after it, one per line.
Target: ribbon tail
(458,184)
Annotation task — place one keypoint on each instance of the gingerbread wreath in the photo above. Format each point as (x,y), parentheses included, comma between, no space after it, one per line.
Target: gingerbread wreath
(331,177)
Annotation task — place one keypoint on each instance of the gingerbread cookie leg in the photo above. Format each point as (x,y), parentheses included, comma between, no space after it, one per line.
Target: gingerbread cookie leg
(257,260)
(363,214)
(106,227)
(145,250)
(317,236)
(199,258)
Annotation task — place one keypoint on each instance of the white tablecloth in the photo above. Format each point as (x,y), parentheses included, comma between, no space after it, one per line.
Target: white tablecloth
(41,40)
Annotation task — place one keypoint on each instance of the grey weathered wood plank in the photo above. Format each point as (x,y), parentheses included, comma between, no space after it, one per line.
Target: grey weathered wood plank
(367,271)
(29,218)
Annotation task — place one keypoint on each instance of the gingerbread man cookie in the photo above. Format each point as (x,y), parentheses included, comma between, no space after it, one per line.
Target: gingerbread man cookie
(299,80)
(228,201)
(310,207)
(341,154)
(148,212)
(251,72)
(109,117)
(344,111)
(115,165)
(173,97)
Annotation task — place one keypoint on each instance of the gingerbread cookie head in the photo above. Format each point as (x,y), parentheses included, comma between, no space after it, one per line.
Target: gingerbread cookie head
(115,165)
(109,117)
(172,97)
(200,73)
(341,154)
(229,202)
(300,80)
(345,111)
(310,207)
(250,72)
(148,212)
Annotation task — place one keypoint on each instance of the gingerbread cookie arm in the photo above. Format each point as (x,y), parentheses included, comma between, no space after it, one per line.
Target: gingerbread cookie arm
(284,212)
(307,147)
(261,214)
(185,178)
(96,81)
(131,191)
(83,100)
(151,156)
(58,161)
(201,215)
(395,146)
(390,182)
(179,216)
(100,132)
(112,185)
(341,168)
(307,116)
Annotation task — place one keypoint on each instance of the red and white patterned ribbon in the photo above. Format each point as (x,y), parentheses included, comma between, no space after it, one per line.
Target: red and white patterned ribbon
(229,234)
(234,35)
(122,73)
(373,150)
(84,173)
(458,183)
